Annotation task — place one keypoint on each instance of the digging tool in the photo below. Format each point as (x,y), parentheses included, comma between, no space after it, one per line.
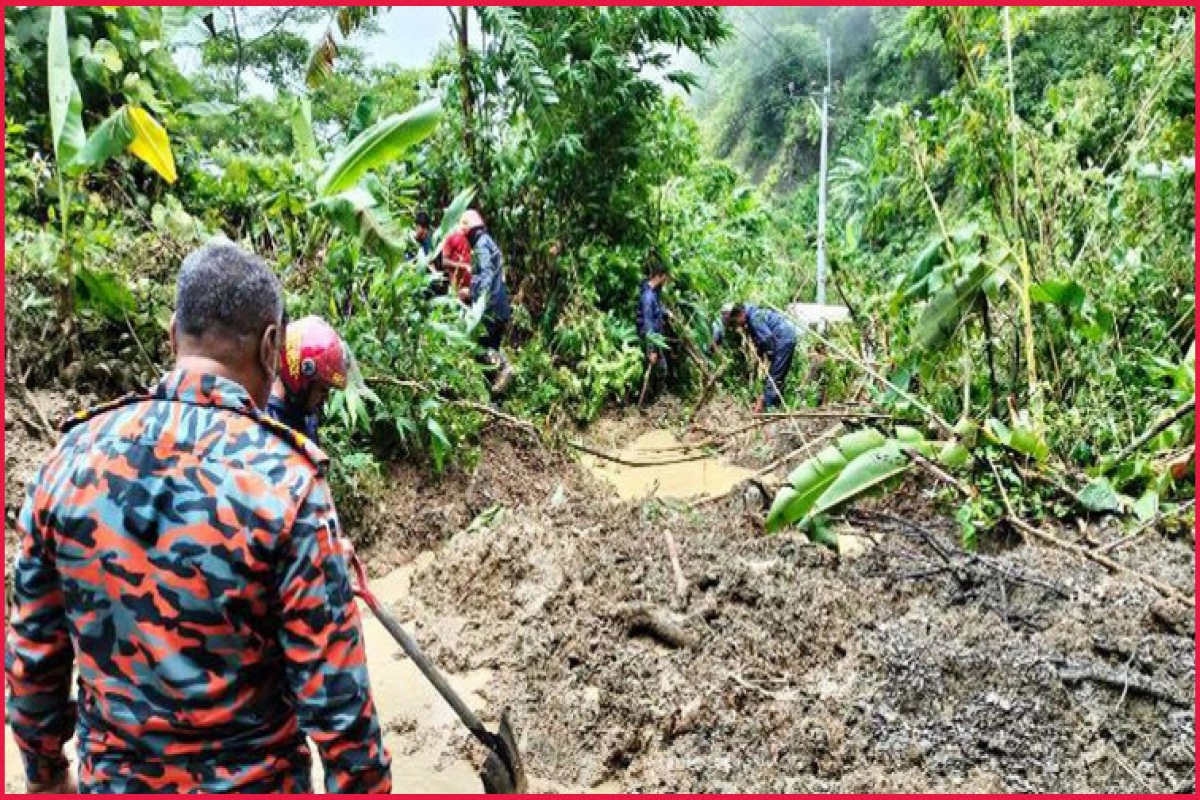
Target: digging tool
(503,772)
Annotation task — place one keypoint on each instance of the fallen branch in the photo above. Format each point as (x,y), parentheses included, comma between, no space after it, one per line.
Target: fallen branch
(1123,682)
(680,448)
(1113,546)
(26,395)
(641,619)
(937,472)
(1103,560)
(507,419)
(673,552)
(706,394)
(625,462)
(820,414)
(829,434)
(645,384)
(954,561)
(767,470)
(1156,429)
(932,415)
(482,408)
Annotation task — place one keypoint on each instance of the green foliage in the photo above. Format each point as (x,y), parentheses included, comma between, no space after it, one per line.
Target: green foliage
(379,145)
(812,479)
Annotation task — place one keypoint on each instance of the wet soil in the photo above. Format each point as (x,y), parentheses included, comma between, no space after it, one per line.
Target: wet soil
(902,664)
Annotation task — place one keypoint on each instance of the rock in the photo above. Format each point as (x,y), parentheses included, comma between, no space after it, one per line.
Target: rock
(851,547)
(559,499)
(1173,616)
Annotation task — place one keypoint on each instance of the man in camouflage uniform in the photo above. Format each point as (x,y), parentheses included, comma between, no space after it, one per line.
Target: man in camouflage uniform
(180,547)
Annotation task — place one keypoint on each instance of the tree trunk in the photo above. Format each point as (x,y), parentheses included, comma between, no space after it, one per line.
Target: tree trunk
(468,93)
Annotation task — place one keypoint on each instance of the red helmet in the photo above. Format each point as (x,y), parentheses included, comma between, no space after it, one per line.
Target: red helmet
(313,353)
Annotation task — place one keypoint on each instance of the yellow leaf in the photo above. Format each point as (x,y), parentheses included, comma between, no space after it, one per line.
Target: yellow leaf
(150,144)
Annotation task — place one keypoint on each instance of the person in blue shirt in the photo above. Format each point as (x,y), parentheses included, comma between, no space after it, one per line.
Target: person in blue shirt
(774,339)
(652,319)
(487,281)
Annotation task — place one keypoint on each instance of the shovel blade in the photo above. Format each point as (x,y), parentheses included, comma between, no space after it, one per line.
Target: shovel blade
(503,772)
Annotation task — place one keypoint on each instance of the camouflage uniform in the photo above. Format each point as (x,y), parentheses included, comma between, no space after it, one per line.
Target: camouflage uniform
(179,547)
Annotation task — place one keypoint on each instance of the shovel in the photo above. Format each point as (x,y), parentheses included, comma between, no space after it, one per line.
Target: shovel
(503,772)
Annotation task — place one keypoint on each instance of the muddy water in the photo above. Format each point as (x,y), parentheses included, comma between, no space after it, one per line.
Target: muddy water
(420,728)
(690,479)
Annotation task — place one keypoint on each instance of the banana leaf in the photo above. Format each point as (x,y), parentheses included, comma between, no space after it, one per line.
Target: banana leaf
(379,145)
(809,481)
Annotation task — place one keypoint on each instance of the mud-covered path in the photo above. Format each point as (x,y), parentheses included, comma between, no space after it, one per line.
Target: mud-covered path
(776,666)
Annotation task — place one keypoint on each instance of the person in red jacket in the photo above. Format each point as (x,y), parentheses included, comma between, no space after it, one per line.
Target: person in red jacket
(181,549)
(456,264)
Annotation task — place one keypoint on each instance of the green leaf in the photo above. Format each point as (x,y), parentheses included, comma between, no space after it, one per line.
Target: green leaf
(810,480)
(381,144)
(1099,496)
(103,292)
(106,54)
(66,105)
(953,455)
(178,20)
(364,115)
(1146,506)
(452,215)
(356,212)
(111,137)
(914,283)
(862,474)
(1028,438)
(302,130)
(1067,295)
(947,309)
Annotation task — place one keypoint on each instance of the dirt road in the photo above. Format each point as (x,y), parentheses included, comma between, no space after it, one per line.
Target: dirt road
(775,665)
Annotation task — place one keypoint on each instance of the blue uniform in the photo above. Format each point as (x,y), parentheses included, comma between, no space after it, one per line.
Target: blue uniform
(293,416)
(775,340)
(488,279)
(651,320)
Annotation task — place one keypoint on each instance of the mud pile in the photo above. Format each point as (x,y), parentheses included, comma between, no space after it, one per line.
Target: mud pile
(784,668)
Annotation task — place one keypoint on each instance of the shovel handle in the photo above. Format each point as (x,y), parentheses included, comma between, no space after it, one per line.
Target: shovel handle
(410,648)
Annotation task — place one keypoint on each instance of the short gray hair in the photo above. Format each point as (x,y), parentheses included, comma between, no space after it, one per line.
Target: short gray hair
(223,289)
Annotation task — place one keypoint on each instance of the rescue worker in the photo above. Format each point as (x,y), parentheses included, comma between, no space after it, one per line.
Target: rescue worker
(487,281)
(423,233)
(314,360)
(652,319)
(455,263)
(774,338)
(179,548)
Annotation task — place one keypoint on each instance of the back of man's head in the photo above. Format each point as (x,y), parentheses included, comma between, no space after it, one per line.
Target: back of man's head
(227,302)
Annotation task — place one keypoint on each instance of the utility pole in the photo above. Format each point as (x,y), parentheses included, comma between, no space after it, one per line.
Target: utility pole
(824,173)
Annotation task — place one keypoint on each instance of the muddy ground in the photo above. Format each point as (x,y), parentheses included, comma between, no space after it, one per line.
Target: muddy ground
(777,666)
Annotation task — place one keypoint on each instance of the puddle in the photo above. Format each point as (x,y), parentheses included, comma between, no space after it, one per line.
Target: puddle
(703,477)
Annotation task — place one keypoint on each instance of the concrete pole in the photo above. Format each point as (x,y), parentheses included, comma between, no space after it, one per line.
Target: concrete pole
(824,174)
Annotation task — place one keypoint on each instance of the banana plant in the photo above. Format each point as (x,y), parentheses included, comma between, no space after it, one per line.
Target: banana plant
(130,128)
(855,464)
(348,193)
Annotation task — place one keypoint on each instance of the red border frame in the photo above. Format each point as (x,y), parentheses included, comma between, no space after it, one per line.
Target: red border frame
(1196,264)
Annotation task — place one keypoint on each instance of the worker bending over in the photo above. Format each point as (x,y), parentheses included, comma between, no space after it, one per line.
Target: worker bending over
(179,548)
(774,338)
